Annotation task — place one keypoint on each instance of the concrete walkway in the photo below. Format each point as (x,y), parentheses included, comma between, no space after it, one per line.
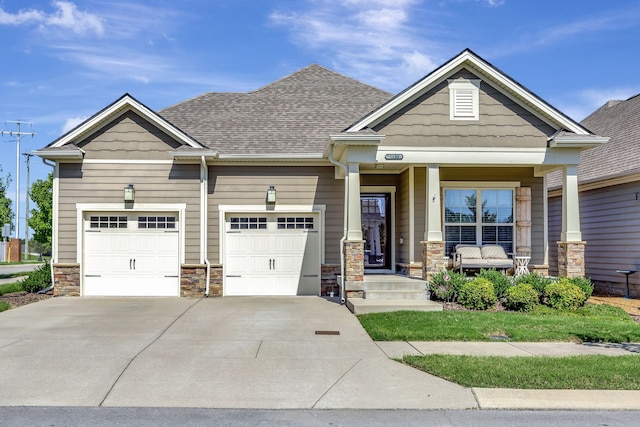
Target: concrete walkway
(276,353)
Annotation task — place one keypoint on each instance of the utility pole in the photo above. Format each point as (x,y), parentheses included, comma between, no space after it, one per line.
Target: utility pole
(18,134)
(26,210)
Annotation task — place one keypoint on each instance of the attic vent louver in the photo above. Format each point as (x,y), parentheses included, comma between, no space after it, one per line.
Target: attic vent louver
(464,99)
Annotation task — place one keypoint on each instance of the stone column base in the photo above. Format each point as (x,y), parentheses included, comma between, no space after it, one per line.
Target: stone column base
(432,258)
(354,264)
(193,280)
(571,259)
(66,280)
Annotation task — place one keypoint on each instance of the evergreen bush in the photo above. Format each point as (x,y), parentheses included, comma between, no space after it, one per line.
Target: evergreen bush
(521,297)
(446,285)
(501,282)
(38,279)
(478,294)
(564,295)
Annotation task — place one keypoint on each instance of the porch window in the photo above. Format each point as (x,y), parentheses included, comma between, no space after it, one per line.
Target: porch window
(478,216)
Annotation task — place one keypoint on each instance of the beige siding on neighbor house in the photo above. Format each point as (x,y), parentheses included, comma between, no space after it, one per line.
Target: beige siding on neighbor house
(104,183)
(295,185)
(129,137)
(426,122)
(526,179)
(610,224)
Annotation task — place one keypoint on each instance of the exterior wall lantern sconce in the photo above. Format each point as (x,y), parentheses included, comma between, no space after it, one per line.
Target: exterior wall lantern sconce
(129,193)
(271,194)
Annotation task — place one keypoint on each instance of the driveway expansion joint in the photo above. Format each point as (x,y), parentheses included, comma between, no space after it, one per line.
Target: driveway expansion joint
(335,383)
(164,331)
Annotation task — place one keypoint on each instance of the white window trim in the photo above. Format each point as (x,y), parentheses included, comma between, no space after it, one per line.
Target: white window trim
(479,186)
(458,87)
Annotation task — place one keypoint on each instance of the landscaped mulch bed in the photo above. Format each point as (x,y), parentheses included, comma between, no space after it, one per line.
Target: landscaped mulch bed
(17,299)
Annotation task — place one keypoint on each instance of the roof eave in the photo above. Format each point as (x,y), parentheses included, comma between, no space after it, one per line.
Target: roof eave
(577,141)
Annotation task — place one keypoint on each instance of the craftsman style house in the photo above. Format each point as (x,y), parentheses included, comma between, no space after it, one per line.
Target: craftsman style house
(315,178)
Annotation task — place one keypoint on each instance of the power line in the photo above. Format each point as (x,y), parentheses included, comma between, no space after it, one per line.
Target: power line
(17,134)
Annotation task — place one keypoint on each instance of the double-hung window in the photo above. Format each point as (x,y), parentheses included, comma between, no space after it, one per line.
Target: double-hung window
(477,216)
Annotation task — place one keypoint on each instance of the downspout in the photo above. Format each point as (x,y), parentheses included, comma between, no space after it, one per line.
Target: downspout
(203,219)
(345,230)
(52,165)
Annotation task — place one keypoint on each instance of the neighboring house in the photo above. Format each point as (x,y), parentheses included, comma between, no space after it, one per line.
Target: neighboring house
(262,193)
(609,185)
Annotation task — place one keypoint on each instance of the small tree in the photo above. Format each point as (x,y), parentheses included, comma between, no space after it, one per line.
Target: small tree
(40,219)
(6,212)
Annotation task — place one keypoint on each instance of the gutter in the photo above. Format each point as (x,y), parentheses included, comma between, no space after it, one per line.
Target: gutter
(345,229)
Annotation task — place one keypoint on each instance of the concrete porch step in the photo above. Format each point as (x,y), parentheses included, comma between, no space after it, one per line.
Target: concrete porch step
(364,306)
(400,294)
(412,285)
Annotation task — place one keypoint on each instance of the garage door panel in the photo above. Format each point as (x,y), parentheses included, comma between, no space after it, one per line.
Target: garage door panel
(127,261)
(281,258)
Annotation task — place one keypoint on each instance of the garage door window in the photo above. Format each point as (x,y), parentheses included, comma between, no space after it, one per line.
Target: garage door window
(155,222)
(295,223)
(108,222)
(248,223)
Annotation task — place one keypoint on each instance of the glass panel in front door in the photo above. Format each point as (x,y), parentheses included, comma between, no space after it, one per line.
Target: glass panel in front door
(376,222)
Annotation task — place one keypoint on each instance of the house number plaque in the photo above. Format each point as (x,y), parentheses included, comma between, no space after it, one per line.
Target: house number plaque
(393,156)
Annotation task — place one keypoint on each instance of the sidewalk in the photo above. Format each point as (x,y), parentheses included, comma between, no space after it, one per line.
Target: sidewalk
(494,398)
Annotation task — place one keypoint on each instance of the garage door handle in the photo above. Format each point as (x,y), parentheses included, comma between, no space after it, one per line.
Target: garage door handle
(233,275)
(132,263)
(92,275)
(168,275)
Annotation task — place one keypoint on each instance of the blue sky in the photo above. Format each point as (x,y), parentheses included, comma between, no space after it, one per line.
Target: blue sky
(65,60)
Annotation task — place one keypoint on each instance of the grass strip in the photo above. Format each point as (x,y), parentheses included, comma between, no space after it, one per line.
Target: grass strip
(4,306)
(12,275)
(591,323)
(8,288)
(588,372)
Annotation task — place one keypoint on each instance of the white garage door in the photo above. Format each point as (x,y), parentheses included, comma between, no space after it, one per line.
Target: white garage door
(272,254)
(131,254)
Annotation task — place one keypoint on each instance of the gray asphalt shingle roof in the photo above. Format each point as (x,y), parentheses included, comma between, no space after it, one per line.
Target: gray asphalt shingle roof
(293,115)
(619,120)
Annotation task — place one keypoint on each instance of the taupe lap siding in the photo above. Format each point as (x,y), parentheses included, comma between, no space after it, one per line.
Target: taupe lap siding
(104,183)
(555,230)
(295,185)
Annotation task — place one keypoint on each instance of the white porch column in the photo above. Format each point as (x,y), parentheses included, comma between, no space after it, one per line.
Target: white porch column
(570,206)
(433,214)
(354,224)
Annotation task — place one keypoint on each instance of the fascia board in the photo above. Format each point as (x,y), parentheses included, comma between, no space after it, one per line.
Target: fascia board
(123,104)
(268,157)
(357,139)
(468,58)
(194,155)
(577,142)
(60,154)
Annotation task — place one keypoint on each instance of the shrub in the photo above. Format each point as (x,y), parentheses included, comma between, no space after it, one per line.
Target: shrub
(446,285)
(583,283)
(564,295)
(501,282)
(538,282)
(38,279)
(478,294)
(520,297)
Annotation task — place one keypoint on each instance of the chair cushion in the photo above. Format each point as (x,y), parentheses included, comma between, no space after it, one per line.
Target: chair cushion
(469,252)
(493,252)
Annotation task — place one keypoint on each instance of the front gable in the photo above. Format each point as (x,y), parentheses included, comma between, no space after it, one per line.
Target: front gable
(126,130)
(430,119)
(508,114)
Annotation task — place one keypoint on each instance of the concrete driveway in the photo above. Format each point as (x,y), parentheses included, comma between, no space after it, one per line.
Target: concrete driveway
(211,353)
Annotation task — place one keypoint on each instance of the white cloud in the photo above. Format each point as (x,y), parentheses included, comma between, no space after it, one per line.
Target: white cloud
(493,3)
(371,40)
(72,122)
(580,104)
(66,16)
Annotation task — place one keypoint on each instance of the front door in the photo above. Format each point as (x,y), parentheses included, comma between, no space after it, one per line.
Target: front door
(376,230)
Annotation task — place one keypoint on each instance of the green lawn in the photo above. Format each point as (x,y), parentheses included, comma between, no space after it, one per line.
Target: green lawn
(592,323)
(4,306)
(592,372)
(8,288)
